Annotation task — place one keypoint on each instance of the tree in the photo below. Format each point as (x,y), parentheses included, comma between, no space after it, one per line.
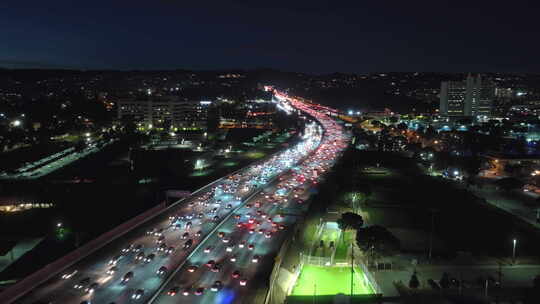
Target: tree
(402,126)
(365,190)
(378,239)
(430,132)
(413,282)
(445,280)
(472,167)
(536,282)
(350,220)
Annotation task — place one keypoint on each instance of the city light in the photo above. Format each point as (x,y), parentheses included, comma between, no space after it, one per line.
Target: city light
(16,123)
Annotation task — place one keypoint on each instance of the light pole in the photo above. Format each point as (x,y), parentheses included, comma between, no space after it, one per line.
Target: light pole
(514,241)
(314,292)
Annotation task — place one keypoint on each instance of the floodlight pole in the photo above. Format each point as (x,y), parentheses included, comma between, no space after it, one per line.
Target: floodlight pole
(352,269)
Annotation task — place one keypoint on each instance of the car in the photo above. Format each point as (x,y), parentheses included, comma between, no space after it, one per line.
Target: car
(192,268)
(226,239)
(184,236)
(161,271)
(162,247)
(251,247)
(188,244)
(160,239)
(149,258)
(208,249)
(255,259)
(199,291)
(169,250)
(268,234)
(115,260)
(159,232)
(82,283)
(188,225)
(243,282)
(229,206)
(236,274)
(210,263)
(215,268)
(251,231)
(69,275)
(186,292)
(127,249)
(111,271)
(221,234)
(140,256)
(261,231)
(237,216)
(198,233)
(248,206)
(242,244)
(137,294)
(233,258)
(216,286)
(151,231)
(91,288)
(229,248)
(173,291)
(128,276)
(215,218)
(251,221)
(137,248)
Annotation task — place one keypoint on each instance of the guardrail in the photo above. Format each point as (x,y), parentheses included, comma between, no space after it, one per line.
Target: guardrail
(50,270)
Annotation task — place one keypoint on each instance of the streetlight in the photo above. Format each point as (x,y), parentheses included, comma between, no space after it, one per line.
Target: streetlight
(514,241)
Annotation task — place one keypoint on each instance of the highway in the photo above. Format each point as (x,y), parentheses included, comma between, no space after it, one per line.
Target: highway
(178,231)
(234,264)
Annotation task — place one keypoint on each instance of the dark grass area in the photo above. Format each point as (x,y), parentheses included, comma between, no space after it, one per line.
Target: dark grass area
(407,199)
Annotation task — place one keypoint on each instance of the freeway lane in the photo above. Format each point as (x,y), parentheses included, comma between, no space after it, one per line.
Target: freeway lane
(232,265)
(204,211)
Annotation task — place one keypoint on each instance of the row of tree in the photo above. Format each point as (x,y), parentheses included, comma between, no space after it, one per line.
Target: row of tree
(374,240)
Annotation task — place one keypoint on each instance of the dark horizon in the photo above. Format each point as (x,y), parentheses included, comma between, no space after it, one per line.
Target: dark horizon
(305,36)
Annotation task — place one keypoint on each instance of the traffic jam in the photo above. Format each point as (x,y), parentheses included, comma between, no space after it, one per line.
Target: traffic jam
(211,242)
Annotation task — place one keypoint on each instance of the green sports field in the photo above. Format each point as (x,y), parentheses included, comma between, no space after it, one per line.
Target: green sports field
(317,280)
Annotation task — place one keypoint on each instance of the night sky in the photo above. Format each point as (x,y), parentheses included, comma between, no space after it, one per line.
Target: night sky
(307,36)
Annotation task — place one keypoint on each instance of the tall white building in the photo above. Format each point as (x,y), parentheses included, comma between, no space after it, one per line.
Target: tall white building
(165,112)
(472,97)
